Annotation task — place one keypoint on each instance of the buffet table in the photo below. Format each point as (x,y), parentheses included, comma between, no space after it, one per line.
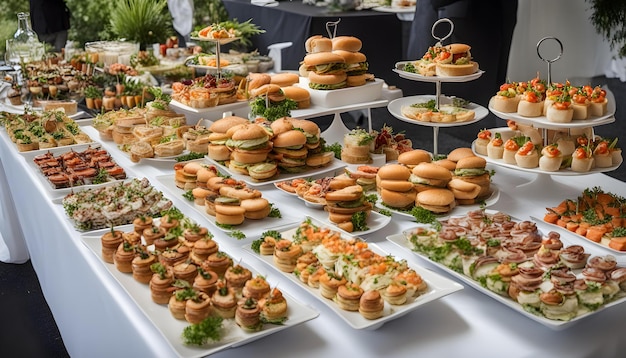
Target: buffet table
(293,21)
(98,318)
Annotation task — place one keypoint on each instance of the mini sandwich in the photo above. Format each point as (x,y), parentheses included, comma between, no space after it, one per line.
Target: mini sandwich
(312,133)
(300,95)
(285,79)
(325,70)
(249,144)
(427,175)
(472,170)
(464,192)
(347,43)
(413,157)
(343,203)
(318,43)
(438,201)
(289,151)
(455,60)
(356,67)
(218,137)
(394,187)
(269,102)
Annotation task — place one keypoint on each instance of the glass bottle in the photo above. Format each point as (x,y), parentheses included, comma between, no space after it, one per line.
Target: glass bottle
(25,45)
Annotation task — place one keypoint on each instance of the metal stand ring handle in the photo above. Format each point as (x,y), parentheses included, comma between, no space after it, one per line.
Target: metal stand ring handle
(548,61)
(432,30)
(332,24)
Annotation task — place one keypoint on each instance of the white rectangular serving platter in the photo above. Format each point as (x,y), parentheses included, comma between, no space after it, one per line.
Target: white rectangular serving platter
(54,192)
(171,328)
(402,242)
(438,287)
(370,91)
(251,228)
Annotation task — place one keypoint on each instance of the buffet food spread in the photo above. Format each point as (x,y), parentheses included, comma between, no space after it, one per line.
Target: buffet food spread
(139,199)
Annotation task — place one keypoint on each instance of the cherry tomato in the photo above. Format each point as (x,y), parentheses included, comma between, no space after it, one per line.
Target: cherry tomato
(579,98)
(582,141)
(484,134)
(552,150)
(602,147)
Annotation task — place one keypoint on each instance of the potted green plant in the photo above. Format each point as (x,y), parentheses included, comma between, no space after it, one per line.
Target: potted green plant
(91,94)
(142,21)
(608,19)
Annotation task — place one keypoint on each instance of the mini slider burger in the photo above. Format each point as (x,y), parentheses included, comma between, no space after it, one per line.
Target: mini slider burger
(289,151)
(439,201)
(325,70)
(394,187)
(219,134)
(472,169)
(427,175)
(356,67)
(269,102)
(249,144)
(342,204)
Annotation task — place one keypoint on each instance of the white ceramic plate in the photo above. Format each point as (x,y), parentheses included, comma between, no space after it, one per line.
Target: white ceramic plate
(399,69)
(401,241)
(438,287)
(54,192)
(457,210)
(172,328)
(395,9)
(375,222)
(332,167)
(395,108)
(251,228)
(537,170)
(543,122)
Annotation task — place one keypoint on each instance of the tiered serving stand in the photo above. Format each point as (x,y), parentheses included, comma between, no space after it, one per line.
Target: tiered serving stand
(396,105)
(543,179)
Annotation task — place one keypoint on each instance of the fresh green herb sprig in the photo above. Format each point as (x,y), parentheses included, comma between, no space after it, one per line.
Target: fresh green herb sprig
(208,330)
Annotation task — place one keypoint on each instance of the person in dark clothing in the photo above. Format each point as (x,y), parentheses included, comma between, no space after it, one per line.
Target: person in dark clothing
(50,20)
(486,25)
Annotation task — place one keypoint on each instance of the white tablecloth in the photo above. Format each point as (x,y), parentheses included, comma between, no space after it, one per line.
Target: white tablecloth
(97,318)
